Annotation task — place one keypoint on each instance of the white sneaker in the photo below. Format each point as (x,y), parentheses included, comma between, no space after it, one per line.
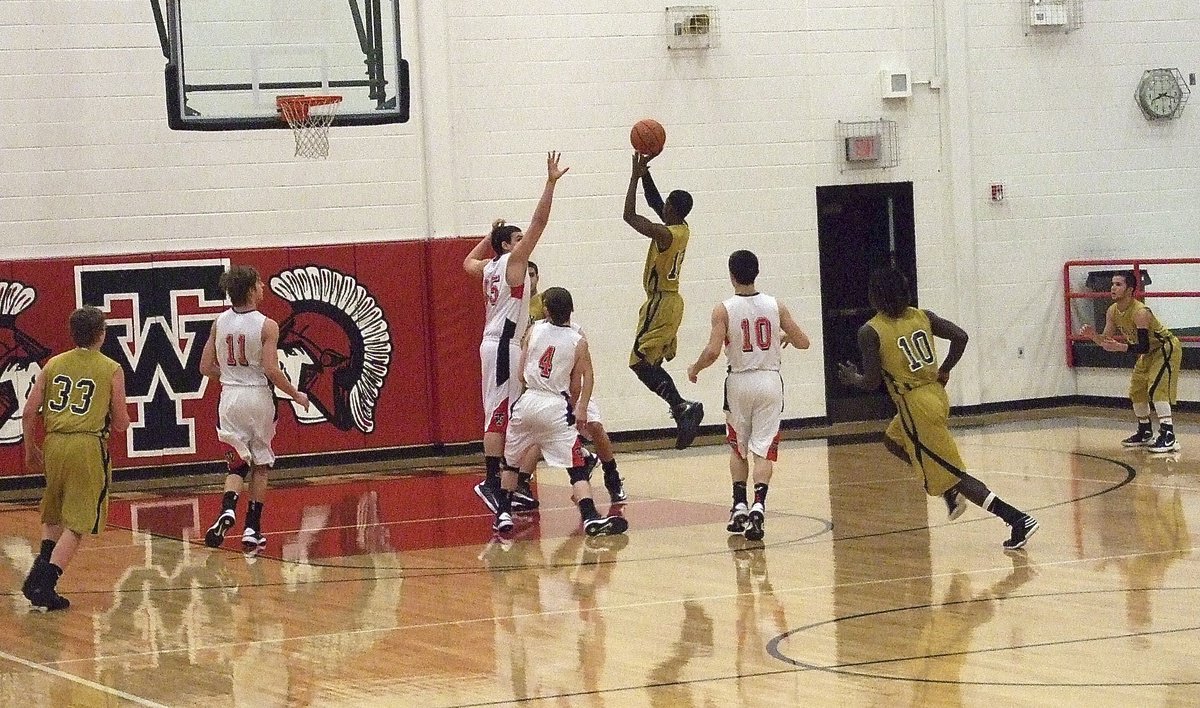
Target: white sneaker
(252,540)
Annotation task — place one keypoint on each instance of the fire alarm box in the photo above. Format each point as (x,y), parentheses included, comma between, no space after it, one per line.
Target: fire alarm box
(863,148)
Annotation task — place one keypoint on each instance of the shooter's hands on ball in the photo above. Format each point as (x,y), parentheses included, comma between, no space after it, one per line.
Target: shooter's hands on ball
(641,164)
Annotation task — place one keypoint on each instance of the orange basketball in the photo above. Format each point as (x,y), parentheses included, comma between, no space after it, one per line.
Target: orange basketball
(648,136)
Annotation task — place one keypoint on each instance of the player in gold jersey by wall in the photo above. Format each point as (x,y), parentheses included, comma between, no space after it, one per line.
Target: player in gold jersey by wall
(78,399)
(1156,373)
(897,347)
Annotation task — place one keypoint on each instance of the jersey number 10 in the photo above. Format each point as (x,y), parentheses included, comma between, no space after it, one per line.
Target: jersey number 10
(919,351)
(762,334)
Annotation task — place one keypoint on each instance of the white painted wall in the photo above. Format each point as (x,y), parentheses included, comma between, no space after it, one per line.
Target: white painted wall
(88,165)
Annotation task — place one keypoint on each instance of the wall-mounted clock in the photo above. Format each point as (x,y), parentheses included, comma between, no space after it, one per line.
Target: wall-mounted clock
(1162,93)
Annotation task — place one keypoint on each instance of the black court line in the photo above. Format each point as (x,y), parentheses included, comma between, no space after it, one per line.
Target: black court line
(773,645)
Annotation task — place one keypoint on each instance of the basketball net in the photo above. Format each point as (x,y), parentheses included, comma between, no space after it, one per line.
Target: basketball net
(309,117)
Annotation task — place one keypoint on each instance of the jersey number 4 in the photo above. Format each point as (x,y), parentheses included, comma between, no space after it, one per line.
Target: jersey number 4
(762,334)
(917,349)
(546,362)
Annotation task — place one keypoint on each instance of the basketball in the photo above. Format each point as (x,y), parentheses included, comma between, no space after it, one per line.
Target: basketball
(648,136)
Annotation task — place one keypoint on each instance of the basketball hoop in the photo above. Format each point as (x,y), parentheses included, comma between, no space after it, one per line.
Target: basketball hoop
(309,117)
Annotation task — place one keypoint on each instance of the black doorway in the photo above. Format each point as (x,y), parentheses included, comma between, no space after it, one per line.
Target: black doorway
(859,227)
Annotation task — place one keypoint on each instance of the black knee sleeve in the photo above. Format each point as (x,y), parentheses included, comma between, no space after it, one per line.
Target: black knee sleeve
(236,464)
(578,474)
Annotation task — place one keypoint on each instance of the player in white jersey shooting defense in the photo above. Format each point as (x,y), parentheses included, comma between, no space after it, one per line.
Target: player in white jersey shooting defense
(556,370)
(242,353)
(505,277)
(747,325)
(594,431)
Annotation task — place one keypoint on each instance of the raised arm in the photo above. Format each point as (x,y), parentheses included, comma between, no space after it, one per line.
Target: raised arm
(650,190)
(795,336)
(518,260)
(716,339)
(946,329)
(270,364)
(478,257)
(659,232)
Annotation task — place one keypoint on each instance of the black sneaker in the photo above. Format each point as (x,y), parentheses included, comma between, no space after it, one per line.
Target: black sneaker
(523,499)
(503,523)
(1021,531)
(738,516)
(1142,438)
(253,541)
(1165,442)
(487,494)
(955,505)
(39,575)
(49,601)
(616,490)
(605,526)
(755,523)
(687,417)
(215,535)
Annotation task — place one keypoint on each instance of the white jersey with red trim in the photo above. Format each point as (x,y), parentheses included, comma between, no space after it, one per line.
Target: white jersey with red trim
(238,336)
(752,340)
(550,357)
(507,313)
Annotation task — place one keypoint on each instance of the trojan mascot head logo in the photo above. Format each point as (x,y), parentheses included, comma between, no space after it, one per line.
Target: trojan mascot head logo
(19,357)
(334,346)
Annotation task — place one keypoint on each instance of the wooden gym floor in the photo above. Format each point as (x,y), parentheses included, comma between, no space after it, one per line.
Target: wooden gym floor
(389,589)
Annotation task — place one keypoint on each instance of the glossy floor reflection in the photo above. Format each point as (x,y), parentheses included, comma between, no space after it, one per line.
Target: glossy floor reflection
(391,590)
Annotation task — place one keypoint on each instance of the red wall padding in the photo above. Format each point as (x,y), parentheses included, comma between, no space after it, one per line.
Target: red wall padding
(456,318)
(386,335)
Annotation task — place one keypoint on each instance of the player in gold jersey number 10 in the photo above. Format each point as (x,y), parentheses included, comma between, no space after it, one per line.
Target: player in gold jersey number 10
(918,351)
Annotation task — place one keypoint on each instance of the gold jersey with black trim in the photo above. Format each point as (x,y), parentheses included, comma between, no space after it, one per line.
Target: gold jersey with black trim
(661,273)
(907,353)
(1124,322)
(909,361)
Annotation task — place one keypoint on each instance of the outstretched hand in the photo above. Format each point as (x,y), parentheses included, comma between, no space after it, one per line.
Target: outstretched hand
(848,373)
(302,400)
(553,173)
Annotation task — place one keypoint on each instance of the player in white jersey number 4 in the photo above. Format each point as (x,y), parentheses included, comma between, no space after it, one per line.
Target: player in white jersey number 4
(556,369)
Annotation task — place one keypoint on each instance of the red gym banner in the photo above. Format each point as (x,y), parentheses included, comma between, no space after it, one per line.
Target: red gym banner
(357,334)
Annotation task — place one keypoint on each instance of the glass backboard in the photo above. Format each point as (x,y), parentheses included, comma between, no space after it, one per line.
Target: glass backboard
(228,60)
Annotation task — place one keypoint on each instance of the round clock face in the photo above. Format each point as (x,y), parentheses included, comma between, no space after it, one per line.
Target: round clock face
(1159,94)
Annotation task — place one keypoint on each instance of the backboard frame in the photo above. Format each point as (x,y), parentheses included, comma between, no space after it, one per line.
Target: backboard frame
(369,26)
